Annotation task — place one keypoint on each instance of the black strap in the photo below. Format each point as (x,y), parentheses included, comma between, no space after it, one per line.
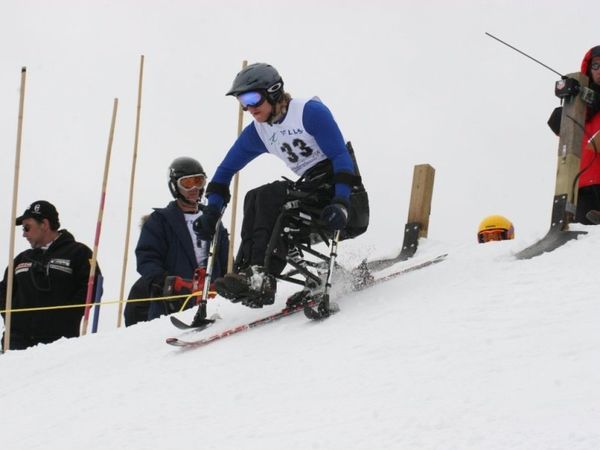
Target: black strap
(347,178)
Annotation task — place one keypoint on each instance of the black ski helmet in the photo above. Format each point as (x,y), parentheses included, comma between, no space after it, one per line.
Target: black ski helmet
(258,77)
(182,167)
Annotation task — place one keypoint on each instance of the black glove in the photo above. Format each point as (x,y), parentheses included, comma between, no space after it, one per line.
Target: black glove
(335,215)
(157,284)
(205,225)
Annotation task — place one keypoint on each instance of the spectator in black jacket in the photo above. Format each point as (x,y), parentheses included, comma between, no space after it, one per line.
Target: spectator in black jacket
(54,272)
(168,246)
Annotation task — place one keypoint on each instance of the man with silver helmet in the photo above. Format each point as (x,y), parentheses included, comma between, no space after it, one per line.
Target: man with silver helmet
(167,245)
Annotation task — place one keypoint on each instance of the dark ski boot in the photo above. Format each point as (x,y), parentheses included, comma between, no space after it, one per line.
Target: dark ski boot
(252,287)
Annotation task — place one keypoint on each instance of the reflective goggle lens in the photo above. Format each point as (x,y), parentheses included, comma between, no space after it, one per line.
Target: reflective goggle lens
(491,235)
(191,181)
(252,98)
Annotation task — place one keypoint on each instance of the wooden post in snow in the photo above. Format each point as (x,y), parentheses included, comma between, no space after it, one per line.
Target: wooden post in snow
(419,209)
(568,165)
(92,277)
(131,186)
(13,215)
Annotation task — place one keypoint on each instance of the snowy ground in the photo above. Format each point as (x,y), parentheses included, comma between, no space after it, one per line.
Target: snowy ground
(481,351)
(493,354)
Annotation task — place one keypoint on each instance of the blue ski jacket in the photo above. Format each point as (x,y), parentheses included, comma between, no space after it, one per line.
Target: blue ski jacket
(317,120)
(165,246)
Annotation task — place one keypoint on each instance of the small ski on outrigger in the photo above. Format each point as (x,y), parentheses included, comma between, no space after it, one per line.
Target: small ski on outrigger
(185,326)
(310,304)
(202,277)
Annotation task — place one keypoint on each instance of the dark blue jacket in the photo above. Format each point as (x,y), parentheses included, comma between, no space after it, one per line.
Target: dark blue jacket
(165,247)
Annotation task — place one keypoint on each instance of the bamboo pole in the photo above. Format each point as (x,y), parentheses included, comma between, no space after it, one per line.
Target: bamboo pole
(90,287)
(234,197)
(131,185)
(13,215)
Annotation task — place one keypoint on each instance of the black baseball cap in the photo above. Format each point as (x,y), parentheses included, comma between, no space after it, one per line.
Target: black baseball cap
(40,210)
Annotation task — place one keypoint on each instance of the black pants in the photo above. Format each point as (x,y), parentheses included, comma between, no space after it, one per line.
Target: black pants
(262,206)
(588,198)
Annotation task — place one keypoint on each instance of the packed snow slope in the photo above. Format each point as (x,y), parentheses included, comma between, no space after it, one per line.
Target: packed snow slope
(481,351)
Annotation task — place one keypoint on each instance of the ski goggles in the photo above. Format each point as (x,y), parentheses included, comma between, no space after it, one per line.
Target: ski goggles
(251,99)
(190,182)
(492,235)
(595,66)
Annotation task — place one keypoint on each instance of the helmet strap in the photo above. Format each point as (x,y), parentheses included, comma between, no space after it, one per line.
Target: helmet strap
(183,202)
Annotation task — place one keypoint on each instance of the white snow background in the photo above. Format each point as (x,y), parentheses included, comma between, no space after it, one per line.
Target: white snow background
(481,351)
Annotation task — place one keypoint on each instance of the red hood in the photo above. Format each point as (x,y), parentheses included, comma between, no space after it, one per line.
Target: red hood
(585,64)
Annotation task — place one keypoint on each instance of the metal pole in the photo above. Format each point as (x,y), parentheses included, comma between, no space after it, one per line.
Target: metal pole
(97,298)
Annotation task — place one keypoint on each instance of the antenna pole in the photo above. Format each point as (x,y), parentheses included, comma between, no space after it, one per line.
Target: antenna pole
(525,54)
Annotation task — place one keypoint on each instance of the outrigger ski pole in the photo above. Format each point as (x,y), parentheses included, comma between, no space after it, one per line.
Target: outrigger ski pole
(200,319)
(325,308)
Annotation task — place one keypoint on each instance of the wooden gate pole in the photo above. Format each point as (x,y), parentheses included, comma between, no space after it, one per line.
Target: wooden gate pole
(234,195)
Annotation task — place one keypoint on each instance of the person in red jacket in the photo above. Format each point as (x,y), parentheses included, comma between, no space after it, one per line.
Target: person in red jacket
(588,203)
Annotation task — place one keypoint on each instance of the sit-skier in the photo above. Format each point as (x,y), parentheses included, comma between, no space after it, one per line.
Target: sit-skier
(304,134)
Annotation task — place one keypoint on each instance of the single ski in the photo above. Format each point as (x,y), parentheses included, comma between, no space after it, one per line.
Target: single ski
(238,329)
(310,304)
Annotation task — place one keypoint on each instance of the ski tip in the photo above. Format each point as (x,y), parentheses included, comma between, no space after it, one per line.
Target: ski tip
(175,342)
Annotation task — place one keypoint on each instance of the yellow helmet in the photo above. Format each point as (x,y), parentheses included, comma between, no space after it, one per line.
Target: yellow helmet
(495,228)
